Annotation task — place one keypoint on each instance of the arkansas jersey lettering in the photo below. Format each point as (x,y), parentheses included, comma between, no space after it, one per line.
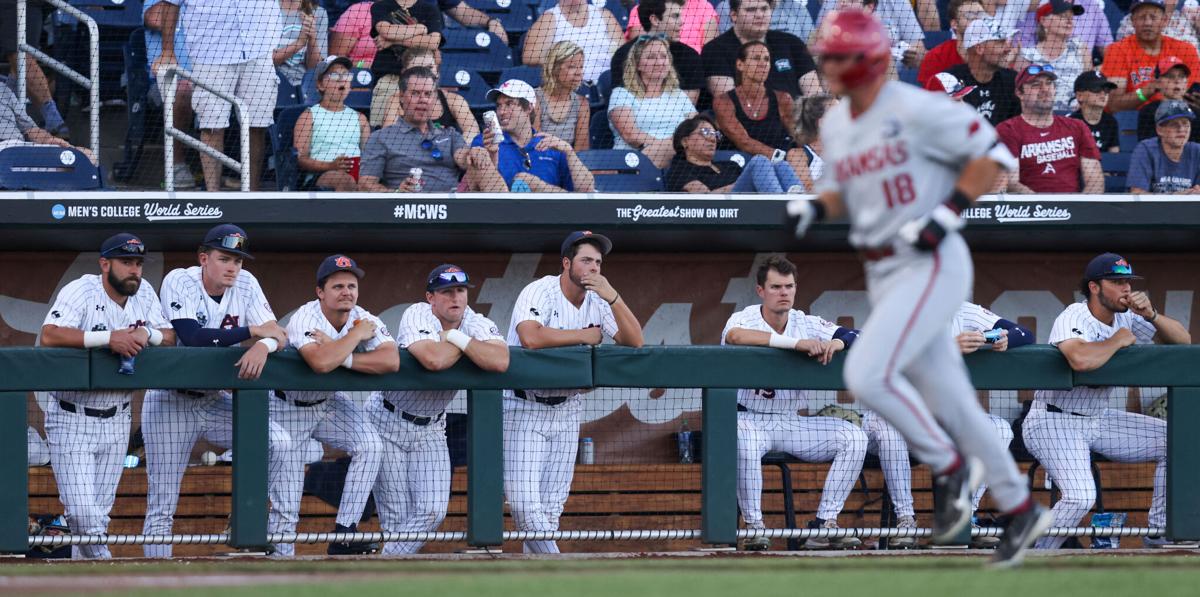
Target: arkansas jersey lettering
(229,322)
(892,153)
(1049,151)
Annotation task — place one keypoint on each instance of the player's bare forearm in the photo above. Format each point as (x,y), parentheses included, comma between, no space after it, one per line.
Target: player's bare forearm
(1088,356)
(534,335)
(491,355)
(61,337)
(744,337)
(435,356)
(629,330)
(168,337)
(1170,331)
(385,358)
(977,177)
(323,358)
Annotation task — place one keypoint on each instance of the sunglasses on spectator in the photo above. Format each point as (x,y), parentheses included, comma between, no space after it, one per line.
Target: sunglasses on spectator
(135,247)
(1037,69)
(525,161)
(708,133)
(434,152)
(648,37)
(339,76)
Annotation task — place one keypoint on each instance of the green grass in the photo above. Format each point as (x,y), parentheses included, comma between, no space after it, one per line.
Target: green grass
(1091,576)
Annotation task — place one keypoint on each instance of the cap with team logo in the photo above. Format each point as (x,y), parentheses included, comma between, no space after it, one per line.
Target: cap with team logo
(1109,266)
(953,87)
(123,245)
(1166,63)
(579,236)
(1057,7)
(1172,109)
(514,88)
(445,276)
(228,238)
(337,263)
(1136,3)
(1091,80)
(984,30)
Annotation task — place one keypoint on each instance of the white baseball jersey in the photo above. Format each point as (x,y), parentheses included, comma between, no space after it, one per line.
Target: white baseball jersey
(309,317)
(419,323)
(800,327)
(900,159)
(242,305)
(972,318)
(1076,321)
(543,301)
(84,305)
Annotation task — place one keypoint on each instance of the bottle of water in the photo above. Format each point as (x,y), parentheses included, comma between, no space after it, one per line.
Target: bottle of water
(587,451)
(126,367)
(685,443)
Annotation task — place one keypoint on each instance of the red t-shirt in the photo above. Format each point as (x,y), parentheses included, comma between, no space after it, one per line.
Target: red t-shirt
(940,58)
(1050,158)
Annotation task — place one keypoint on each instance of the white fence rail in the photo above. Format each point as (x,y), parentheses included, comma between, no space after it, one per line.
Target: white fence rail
(90,82)
(172,74)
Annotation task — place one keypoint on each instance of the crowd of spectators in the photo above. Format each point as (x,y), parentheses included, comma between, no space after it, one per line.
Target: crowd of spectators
(688,83)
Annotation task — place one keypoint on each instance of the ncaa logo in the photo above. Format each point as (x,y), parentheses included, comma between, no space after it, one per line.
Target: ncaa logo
(58,211)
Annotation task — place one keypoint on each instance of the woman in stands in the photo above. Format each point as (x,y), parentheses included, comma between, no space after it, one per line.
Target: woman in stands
(451,111)
(693,169)
(351,35)
(645,112)
(806,159)
(329,136)
(751,116)
(1055,24)
(305,39)
(560,111)
(591,27)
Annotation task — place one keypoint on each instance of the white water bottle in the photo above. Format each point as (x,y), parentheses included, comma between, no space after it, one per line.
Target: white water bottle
(587,451)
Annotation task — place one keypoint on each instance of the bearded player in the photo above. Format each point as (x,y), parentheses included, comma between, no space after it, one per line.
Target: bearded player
(902,164)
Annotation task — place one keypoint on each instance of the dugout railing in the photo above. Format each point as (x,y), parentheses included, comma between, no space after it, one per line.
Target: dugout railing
(718,370)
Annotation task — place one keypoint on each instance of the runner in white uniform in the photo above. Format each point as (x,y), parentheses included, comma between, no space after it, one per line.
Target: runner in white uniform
(541,427)
(1064,427)
(902,163)
(967,328)
(330,332)
(88,432)
(216,303)
(768,419)
(414,483)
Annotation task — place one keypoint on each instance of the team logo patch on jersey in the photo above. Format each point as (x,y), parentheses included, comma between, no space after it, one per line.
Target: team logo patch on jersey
(99,327)
(425,332)
(175,306)
(891,128)
(55,314)
(534,311)
(202,319)
(229,322)
(1077,331)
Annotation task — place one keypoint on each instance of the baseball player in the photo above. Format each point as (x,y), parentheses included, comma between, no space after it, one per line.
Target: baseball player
(967,328)
(414,483)
(541,427)
(1064,427)
(88,431)
(903,163)
(768,419)
(215,303)
(330,332)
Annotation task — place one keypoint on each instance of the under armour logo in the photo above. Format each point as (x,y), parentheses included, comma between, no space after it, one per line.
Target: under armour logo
(99,307)
(176,306)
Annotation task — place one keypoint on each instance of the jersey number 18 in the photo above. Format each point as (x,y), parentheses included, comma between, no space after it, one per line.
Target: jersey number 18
(899,190)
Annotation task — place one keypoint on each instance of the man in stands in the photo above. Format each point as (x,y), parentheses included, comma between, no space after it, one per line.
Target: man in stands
(1130,63)
(1057,154)
(950,52)
(988,52)
(792,68)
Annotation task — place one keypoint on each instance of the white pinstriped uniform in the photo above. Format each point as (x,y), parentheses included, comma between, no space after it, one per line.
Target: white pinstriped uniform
(414,481)
(338,421)
(172,421)
(892,164)
(540,441)
(771,423)
(86,453)
(889,445)
(1063,442)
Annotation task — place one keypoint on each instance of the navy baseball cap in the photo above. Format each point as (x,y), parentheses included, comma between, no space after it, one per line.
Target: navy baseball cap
(1091,80)
(1109,266)
(579,236)
(228,238)
(123,245)
(445,276)
(1172,109)
(337,263)
(1136,3)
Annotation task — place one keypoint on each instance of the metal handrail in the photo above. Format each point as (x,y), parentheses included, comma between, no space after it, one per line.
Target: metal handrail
(174,72)
(92,83)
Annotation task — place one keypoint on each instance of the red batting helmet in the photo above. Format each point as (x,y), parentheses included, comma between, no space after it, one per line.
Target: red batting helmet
(855,32)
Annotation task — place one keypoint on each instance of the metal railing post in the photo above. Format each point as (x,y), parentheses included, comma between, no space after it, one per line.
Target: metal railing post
(91,82)
(171,133)
(14,491)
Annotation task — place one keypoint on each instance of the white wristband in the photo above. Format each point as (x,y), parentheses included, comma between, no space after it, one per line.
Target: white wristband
(271,344)
(781,341)
(156,337)
(458,339)
(349,362)
(96,339)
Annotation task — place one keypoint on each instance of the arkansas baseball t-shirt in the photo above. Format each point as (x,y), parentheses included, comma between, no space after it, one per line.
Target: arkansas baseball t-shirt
(1050,157)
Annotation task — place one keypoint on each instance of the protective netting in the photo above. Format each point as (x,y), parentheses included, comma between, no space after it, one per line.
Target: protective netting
(600,93)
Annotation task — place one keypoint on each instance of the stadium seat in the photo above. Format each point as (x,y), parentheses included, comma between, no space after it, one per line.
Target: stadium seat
(516,17)
(600,135)
(622,171)
(469,84)
(47,168)
(116,19)
(935,38)
(476,50)
(288,95)
(1116,169)
(1127,129)
(599,93)
(137,104)
(529,74)
(1113,11)
(283,149)
(814,10)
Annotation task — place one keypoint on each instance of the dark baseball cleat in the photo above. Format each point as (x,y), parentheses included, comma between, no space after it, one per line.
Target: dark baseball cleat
(756,544)
(1164,543)
(829,542)
(952,500)
(350,549)
(1020,531)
